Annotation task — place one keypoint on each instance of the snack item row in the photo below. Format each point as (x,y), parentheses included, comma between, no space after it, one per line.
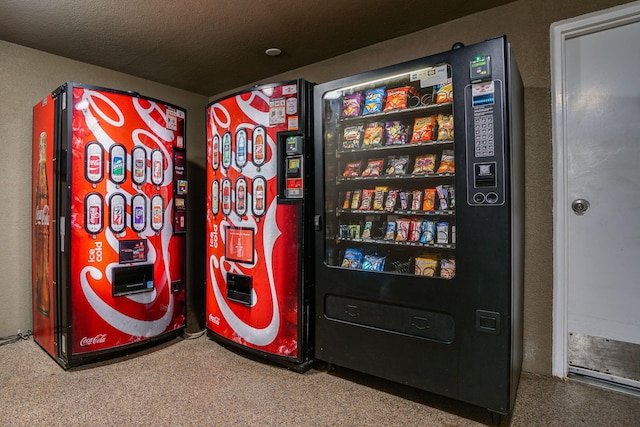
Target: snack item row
(383,99)
(384,198)
(396,132)
(431,265)
(401,165)
(355,258)
(400,229)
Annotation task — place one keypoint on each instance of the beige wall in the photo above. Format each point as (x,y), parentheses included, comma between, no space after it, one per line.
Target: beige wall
(27,76)
(526,24)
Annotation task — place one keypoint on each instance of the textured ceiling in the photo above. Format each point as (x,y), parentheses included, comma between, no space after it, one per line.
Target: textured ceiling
(212,46)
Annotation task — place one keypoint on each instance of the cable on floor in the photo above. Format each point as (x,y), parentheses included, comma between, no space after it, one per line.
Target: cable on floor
(193,335)
(10,339)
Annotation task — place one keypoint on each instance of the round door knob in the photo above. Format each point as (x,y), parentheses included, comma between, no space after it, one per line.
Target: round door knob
(580,206)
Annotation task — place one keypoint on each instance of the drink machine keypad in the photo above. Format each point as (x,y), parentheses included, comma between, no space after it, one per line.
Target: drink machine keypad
(485,141)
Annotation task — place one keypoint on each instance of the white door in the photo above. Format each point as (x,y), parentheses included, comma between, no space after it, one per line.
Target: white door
(596,99)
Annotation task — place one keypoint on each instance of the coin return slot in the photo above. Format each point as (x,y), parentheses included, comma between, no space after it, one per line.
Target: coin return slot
(488,321)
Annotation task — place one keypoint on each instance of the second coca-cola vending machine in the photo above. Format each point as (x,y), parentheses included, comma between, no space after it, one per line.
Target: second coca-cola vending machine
(258,208)
(109,209)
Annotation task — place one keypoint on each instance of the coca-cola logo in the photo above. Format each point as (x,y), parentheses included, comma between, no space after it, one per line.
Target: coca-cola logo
(94,163)
(214,319)
(98,339)
(42,215)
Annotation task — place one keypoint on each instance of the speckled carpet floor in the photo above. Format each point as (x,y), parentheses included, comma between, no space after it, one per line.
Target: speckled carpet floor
(198,382)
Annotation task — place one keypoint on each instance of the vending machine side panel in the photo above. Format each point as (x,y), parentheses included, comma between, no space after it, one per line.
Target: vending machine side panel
(44,298)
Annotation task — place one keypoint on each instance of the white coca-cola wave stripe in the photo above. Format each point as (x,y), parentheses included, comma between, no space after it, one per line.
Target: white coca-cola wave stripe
(93,123)
(89,96)
(254,114)
(215,120)
(155,127)
(126,324)
(256,336)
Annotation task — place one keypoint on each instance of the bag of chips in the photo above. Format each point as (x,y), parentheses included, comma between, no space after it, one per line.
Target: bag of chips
(424,164)
(374,167)
(373,134)
(445,127)
(397,98)
(373,263)
(351,137)
(396,133)
(423,129)
(447,163)
(397,165)
(447,268)
(444,92)
(352,258)
(373,100)
(426,266)
(352,170)
(351,104)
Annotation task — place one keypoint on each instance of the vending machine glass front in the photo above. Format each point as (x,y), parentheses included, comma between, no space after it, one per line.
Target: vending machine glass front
(389,160)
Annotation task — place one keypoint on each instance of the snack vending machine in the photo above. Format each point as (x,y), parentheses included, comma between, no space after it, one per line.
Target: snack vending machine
(109,191)
(419,219)
(259,177)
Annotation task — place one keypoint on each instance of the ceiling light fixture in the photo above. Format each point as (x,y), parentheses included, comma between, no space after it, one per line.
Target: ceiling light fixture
(273,51)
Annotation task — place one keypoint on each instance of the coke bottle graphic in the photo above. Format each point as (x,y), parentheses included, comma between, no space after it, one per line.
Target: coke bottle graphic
(42,230)
(259,197)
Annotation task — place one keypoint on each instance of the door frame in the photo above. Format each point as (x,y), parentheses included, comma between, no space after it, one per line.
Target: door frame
(560,32)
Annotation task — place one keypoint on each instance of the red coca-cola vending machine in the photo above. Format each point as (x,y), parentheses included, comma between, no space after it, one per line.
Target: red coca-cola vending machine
(258,222)
(109,209)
